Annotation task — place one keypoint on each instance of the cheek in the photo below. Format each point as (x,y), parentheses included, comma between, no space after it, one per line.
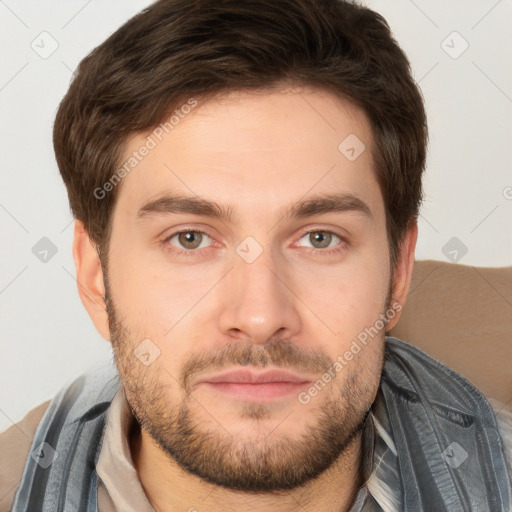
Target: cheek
(162,306)
(347,297)
(150,297)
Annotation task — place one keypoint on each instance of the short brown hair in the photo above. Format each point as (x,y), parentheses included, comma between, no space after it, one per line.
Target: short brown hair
(178,49)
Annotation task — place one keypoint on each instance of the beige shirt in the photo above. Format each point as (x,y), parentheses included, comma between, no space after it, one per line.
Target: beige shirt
(119,487)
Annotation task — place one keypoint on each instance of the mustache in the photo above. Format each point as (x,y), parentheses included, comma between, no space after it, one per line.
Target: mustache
(281,353)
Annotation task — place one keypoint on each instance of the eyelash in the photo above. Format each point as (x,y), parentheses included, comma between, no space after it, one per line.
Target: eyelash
(190,252)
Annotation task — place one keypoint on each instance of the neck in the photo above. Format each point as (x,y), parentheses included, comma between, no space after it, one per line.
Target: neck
(169,488)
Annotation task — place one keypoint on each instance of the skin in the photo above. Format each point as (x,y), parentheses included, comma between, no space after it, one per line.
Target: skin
(211,310)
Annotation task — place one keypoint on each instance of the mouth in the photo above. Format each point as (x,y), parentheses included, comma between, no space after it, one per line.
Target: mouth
(256,386)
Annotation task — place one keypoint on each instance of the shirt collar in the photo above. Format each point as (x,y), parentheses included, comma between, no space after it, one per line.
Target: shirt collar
(116,469)
(115,465)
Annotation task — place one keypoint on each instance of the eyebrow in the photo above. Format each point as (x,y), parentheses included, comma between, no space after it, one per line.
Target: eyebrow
(327,203)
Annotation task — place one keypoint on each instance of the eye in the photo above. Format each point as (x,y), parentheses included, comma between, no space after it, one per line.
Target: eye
(321,239)
(189,240)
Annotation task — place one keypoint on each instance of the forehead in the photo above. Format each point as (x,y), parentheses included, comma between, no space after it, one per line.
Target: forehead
(249,147)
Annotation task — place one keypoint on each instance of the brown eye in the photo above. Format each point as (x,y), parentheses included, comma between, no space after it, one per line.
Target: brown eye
(320,239)
(189,240)
(323,241)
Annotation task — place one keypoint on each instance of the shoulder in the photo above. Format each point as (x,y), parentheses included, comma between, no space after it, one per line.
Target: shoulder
(71,423)
(504,419)
(15,444)
(449,390)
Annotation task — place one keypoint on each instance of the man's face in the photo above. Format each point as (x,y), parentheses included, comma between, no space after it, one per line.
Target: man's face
(261,290)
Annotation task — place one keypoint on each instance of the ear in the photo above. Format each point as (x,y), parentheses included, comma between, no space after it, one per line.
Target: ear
(89,275)
(403,271)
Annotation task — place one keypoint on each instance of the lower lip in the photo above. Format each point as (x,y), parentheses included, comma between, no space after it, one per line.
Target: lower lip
(255,392)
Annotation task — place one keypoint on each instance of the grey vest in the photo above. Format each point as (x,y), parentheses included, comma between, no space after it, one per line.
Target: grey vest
(450,452)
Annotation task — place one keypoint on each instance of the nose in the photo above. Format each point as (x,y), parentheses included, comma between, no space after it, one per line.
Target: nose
(258,302)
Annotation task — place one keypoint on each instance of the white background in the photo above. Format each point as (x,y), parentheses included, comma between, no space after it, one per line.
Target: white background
(47,338)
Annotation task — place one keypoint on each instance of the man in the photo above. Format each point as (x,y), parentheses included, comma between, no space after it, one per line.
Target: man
(246,179)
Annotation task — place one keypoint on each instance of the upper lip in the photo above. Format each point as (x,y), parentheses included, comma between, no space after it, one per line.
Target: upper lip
(256,377)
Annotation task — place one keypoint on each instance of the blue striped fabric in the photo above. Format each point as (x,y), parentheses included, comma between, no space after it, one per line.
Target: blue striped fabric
(431,443)
(73,426)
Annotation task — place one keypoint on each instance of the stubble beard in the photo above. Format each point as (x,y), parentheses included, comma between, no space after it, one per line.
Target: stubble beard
(258,464)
